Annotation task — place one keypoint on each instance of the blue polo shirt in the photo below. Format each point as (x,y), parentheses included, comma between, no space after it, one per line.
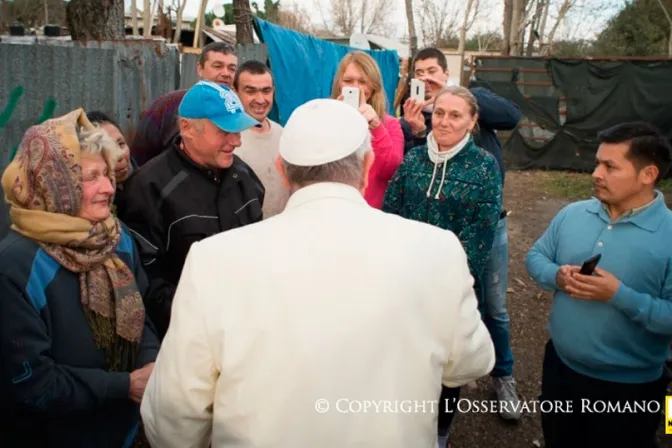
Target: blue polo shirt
(626,339)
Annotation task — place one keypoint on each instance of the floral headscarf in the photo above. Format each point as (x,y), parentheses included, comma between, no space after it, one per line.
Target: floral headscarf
(43,186)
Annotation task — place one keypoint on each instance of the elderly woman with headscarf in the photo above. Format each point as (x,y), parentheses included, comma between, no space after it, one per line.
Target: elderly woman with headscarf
(76,349)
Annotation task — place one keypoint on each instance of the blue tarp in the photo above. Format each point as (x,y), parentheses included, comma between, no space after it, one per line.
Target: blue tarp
(304,67)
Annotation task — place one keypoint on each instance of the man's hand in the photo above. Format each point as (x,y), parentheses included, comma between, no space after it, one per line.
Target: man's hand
(432,86)
(139,380)
(601,286)
(413,115)
(564,275)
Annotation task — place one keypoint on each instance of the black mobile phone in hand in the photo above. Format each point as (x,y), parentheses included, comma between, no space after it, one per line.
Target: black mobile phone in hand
(590,264)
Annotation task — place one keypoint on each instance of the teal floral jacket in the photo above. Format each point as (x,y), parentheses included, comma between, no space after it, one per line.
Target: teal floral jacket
(469,201)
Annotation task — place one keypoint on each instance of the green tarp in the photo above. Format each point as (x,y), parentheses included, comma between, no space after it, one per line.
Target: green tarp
(599,94)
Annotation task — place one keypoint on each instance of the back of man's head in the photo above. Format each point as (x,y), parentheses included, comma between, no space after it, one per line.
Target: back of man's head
(325,140)
(647,145)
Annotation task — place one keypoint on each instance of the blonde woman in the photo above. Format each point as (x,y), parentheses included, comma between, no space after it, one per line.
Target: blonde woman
(358,69)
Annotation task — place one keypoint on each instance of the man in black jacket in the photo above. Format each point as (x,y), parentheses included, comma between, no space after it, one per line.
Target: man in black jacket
(495,113)
(195,189)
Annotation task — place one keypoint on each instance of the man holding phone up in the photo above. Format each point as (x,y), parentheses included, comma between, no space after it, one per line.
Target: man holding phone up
(610,331)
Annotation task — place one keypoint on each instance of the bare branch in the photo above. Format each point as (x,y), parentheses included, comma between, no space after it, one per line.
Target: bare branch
(438,22)
(295,18)
(562,12)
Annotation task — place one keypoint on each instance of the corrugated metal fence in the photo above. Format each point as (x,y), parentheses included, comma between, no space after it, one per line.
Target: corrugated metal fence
(120,78)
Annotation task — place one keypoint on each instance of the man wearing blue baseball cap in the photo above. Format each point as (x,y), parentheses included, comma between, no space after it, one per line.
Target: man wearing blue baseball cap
(195,189)
(282,329)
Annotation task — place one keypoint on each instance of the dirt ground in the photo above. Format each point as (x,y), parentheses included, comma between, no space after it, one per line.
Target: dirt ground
(533,198)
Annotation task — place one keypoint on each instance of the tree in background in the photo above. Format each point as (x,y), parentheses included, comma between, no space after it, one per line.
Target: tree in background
(242,17)
(96,19)
(639,29)
(271,10)
(32,13)
(358,16)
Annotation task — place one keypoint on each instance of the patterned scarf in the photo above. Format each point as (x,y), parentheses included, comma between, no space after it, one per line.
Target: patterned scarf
(43,186)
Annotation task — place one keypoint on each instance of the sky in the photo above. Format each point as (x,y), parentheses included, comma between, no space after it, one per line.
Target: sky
(585,21)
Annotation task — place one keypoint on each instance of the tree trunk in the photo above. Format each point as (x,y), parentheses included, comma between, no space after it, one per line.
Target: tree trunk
(134,16)
(411,28)
(178,20)
(506,27)
(96,19)
(669,20)
(463,28)
(534,28)
(242,17)
(517,27)
(566,6)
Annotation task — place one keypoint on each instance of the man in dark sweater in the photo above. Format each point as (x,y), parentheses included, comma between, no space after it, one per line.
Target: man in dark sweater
(495,113)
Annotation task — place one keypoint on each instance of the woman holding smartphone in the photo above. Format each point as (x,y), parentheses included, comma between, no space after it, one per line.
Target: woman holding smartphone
(359,70)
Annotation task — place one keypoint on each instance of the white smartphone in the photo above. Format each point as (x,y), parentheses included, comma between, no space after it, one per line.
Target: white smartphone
(417,90)
(351,96)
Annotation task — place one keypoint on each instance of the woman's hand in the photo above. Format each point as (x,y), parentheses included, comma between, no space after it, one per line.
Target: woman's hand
(371,116)
(139,380)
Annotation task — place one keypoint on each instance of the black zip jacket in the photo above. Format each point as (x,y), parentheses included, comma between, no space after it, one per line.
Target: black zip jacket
(170,203)
(55,388)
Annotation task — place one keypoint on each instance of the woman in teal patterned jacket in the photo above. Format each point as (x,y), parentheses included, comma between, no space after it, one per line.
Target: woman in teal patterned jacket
(451,183)
(455,185)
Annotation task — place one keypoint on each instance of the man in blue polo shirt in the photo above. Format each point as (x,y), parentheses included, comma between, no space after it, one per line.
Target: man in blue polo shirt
(610,331)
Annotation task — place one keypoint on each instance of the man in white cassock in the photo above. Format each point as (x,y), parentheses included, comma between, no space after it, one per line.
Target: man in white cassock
(331,324)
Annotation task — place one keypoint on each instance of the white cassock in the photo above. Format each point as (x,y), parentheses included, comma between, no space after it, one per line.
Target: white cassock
(332,324)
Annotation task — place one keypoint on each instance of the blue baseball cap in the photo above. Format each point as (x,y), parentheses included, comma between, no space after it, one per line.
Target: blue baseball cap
(217,103)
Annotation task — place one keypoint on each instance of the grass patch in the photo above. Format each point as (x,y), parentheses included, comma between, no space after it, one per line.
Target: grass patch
(577,186)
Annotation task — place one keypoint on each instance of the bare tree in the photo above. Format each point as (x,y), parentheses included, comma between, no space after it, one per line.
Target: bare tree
(506,27)
(471,11)
(517,27)
(96,19)
(358,16)
(179,13)
(295,18)
(32,13)
(147,18)
(669,20)
(438,20)
(534,26)
(242,17)
(562,13)
(413,37)
(134,16)
(486,41)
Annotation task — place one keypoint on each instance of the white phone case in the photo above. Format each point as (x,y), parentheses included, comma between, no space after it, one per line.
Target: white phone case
(351,96)
(417,90)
